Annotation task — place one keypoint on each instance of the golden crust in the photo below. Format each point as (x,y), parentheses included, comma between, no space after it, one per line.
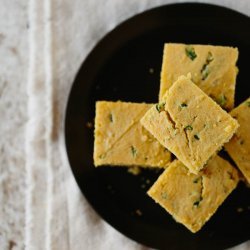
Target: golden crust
(193,199)
(121,140)
(213,69)
(239,146)
(191,125)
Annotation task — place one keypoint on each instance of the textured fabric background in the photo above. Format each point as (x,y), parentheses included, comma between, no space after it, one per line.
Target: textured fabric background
(42,45)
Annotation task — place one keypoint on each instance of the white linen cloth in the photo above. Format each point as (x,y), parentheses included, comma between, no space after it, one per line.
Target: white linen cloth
(42,45)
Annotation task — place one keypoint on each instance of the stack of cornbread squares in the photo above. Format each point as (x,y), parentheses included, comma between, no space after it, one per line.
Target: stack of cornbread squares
(190,122)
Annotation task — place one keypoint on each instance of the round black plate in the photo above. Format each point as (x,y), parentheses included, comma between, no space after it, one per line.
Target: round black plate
(125,66)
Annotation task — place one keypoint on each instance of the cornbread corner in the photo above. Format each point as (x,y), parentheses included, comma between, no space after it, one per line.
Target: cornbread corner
(239,146)
(193,199)
(213,69)
(189,124)
(121,140)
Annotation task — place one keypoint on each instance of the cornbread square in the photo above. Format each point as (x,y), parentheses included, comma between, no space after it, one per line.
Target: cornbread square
(193,199)
(189,124)
(120,139)
(239,146)
(213,69)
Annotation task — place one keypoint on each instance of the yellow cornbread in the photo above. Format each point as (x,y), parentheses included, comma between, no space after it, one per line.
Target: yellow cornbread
(193,199)
(120,139)
(189,124)
(213,69)
(239,146)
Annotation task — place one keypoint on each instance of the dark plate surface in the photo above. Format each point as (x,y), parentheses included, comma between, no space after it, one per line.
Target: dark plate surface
(119,69)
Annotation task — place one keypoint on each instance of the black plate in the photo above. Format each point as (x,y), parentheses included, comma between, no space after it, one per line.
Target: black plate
(119,69)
